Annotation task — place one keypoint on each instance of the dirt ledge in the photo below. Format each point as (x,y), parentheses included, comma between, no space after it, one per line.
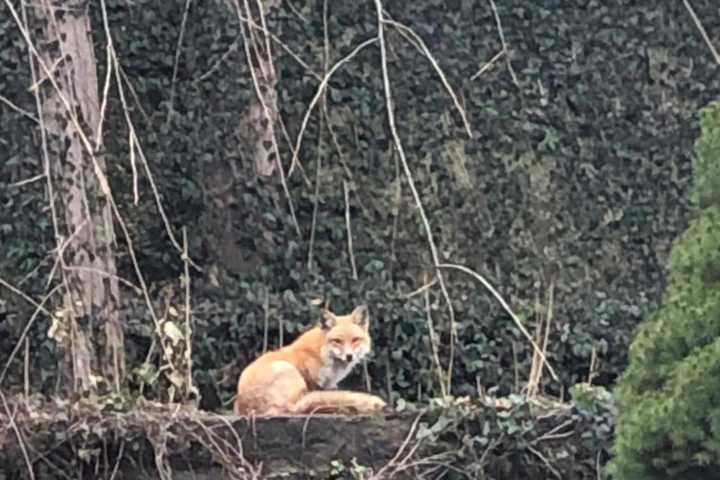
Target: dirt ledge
(106,439)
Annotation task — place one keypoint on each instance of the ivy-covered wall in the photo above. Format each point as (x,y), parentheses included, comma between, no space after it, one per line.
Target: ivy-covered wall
(575,179)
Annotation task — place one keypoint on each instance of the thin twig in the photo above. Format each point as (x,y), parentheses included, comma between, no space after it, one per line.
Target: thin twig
(176,63)
(516,365)
(253,471)
(393,463)
(545,461)
(49,72)
(422,289)
(319,152)
(592,369)
(349,230)
(336,143)
(388,376)
(488,65)
(188,324)
(21,441)
(389,103)
(504,44)
(266,319)
(326,36)
(105,274)
(59,252)
(106,95)
(268,48)
(433,338)
(133,166)
(26,181)
(42,457)
(507,308)
(549,320)
(281,328)
(118,459)
(704,34)
(19,110)
(543,330)
(215,66)
(134,95)
(297,12)
(26,379)
(396,221)
(316,196)
(24,296)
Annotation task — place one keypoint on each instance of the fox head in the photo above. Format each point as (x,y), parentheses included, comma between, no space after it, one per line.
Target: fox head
(347,338)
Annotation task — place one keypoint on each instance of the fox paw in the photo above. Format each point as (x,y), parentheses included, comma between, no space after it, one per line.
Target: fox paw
(376,403)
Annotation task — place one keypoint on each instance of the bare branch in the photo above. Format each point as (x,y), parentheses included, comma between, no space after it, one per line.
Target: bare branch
(704,34)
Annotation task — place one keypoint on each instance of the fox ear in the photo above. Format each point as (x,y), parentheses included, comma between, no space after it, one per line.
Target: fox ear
(362,315)
(329,320)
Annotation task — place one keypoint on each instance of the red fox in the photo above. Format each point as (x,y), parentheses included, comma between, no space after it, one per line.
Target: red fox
(291,380)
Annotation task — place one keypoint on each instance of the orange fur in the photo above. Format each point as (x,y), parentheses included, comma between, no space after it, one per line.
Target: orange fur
(287,380)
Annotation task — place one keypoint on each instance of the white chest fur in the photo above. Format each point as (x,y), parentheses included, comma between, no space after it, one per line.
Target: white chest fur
(332,372)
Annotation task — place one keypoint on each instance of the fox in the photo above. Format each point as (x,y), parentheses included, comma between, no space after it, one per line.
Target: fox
(301,378)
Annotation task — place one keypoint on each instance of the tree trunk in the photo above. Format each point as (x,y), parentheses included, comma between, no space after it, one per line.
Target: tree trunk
(80,193)
(259,121)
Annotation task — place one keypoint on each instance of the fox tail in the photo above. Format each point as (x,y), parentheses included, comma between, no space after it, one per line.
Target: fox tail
(338,401)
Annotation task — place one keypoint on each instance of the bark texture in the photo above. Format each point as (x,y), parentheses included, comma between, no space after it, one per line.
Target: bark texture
(261,117)
(80,192)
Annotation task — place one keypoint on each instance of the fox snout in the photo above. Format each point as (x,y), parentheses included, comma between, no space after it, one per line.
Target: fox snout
(344,355)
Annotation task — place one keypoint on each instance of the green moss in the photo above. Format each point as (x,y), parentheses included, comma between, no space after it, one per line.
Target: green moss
(669,396)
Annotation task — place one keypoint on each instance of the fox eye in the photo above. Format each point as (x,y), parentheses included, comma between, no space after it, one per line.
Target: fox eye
(335,341)
(356,340)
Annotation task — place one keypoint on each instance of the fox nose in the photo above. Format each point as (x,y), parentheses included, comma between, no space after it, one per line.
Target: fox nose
(349,357)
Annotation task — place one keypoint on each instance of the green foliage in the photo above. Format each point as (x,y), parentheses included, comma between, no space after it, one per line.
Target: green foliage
(707,177)
(515,441)
(669,397)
